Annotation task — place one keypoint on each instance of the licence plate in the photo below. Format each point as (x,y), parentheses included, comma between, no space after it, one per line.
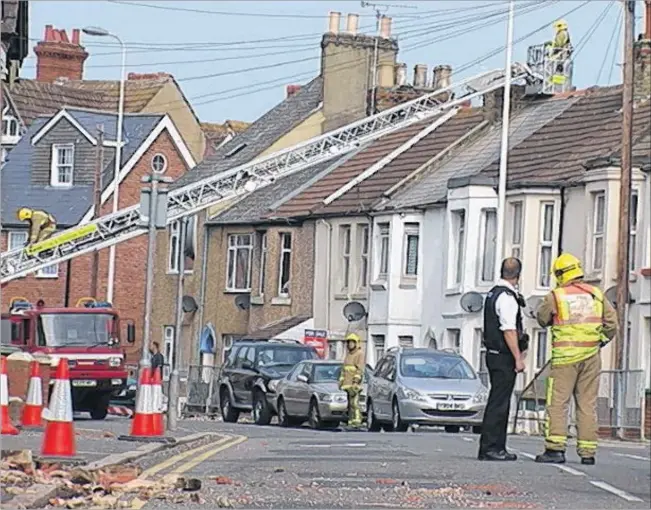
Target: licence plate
(450,406)
(84,382)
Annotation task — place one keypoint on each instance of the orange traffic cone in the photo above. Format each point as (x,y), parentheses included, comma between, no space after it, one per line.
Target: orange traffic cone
(34,402)
(59,437)
(159,426)
(5,421)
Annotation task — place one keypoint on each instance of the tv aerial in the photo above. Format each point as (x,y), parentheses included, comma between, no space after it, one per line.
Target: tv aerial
(472,302)
(533,303)
(354,311)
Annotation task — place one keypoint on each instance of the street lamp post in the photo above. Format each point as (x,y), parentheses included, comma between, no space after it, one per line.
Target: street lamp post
(101,32)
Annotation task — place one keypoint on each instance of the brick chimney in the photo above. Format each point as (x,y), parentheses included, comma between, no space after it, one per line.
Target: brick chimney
(642,57)
(292,89)
(59,57)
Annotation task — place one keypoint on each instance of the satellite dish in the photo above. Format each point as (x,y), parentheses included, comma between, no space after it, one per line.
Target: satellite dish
(190,240)
(189,304)
(243,301)
(354,311)
(611,295)
(472,302)
(533,303)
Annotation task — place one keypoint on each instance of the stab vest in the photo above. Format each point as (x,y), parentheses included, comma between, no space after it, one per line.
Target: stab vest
(493,335)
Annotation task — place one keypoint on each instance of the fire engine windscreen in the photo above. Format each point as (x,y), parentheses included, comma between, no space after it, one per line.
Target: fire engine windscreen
(68,329)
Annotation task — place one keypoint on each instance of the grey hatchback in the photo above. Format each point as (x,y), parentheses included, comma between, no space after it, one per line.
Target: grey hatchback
(426,387)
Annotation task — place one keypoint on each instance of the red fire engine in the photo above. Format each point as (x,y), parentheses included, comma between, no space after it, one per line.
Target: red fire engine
(88,336)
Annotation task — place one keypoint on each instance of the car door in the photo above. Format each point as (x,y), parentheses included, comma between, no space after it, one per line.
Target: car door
(236,375)
(384,388)
(290,389)
(304,390)
(249,376)
(374,385)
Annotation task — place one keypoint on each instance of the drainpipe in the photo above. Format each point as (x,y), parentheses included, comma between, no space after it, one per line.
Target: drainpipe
(66,297)
(329,268)
(561,221)
(368,284)
(202,290)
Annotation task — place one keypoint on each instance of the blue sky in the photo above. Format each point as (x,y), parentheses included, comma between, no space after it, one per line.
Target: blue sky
(208,52)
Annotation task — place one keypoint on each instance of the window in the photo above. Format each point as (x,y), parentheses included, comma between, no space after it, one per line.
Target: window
(458,226)
(363,243)
(62,164)
(173,244)
(633,231)
(598,230)
(238,277)
(541,348)
(285,264)
(48,271)
(410,263)
(159,163)
(545,244)
(489,250)
(168,350)
(383,268)
(516,230)
(454,340)
(10,129)
(406,342)
(378,346)
(227,344)
(344,250)
(478,337)
(175,250)
(263,263)
(17,240)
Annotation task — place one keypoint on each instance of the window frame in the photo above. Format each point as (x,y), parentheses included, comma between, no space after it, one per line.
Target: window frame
(376,339)
(168,342)
(411,230)
(597,232)
(540,333)
(174,238)
(517,227)
(364,244)
(481,273)
(281,255)
(232,249)
(51,271)
(384,250)
(633,224)
(345,251)
(453,337)
(458,224)
(55,166)
(264,249)
(543,244)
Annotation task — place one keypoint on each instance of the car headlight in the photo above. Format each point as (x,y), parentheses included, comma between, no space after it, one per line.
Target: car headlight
(273,385)
(325,397)
(412,395)
(480,397)
(115,362)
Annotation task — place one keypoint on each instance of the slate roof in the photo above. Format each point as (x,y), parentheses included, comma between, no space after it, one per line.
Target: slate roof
(362,196)
(277,328)
(263,133)
(216,133)
(68,205)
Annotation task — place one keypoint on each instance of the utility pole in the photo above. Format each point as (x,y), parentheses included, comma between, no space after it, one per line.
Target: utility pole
(623,241)
(99,166)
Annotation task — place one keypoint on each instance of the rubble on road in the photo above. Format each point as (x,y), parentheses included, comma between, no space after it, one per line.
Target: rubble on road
(117,486)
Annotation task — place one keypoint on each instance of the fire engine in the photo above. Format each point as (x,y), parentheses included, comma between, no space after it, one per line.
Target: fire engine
(87,335)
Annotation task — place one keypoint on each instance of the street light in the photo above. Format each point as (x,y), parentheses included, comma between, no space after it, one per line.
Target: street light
(101,32)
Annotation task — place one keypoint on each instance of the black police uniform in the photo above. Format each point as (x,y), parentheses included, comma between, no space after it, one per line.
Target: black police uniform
(501,370)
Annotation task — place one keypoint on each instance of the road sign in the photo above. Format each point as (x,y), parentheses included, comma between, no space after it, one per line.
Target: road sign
(317,338)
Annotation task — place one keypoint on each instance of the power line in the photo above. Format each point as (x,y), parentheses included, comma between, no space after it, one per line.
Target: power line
(592,29)
(616,28)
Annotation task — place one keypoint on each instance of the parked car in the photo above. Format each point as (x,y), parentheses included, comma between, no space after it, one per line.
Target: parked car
(426,387)
(251,365)
(310,392)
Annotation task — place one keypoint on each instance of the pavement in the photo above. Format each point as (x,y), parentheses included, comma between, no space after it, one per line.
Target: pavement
(248,466)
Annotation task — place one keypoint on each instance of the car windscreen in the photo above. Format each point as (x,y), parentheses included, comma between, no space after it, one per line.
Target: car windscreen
(69,329)
(326,373)
(435,366)
(288,356)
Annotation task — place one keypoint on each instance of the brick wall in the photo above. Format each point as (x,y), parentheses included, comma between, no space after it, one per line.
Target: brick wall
(18,374)
(130,260)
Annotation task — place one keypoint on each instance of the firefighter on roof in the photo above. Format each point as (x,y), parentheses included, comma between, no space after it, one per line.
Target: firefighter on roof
(561,45)
(582,321)
(41,224)
(350,380)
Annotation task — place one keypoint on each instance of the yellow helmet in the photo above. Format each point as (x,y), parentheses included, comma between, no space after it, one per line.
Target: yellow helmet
(566,268)
(561,24)
(24,214)
(353,337)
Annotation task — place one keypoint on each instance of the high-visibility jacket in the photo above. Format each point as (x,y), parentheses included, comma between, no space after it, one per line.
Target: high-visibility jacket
(562,39)
(39,221)
(577,326)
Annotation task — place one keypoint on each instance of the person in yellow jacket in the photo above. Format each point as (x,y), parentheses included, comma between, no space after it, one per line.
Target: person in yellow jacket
(351,377)
(561,44)
(41,224)
(582,321)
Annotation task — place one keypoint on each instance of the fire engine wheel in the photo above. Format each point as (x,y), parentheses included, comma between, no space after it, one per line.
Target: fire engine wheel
(100,411)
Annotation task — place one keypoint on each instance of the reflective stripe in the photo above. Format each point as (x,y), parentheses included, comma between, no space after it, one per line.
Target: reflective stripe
(558,440)
(350,368)
(567,343)
(587,444)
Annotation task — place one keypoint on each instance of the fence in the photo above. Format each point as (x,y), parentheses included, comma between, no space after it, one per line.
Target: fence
(202,390)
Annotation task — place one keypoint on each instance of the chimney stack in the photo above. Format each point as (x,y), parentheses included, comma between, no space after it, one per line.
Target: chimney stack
(642,58)
(385,27)
(352,24)
(420,75)
(647,20)
(292,89)
(441,77)
(58,57)
(401,74)
(333,25)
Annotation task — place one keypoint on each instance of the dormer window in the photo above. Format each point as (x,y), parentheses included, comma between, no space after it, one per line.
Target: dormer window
(63,158)
(10,129)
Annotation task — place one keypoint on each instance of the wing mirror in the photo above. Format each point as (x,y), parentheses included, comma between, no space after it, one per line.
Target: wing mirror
(303,378)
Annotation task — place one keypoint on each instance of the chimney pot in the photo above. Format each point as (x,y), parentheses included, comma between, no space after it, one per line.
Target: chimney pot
(401,74)
(647,20)
(334,21)
(75,36)
(441,77)
(352,23)
(58,58)
(48,33)
(292,89)
(420,75)
(385,27)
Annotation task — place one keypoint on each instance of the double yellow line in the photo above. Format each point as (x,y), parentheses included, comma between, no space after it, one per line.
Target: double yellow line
(198,455)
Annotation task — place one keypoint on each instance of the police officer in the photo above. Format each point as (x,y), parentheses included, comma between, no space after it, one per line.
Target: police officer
(582,322)
(506,344)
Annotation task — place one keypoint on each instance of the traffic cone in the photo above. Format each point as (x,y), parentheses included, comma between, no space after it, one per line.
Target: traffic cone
(59,437)
(5,421)
(159,426)
(34,403)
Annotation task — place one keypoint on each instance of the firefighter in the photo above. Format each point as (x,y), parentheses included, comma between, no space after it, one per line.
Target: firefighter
(350,379)
(41,224)
(582,321)
(561,46)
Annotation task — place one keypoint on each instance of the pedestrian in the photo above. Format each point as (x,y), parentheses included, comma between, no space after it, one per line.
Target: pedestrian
(41,224)
(350,378)
(506,345)
(157,359)
(582,322)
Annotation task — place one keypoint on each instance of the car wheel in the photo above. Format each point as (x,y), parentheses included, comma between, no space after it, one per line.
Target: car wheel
(261,411)
(476,429)
(229,414)
(314,417)
(453,429)
(371,421)
(283,419)
(396,421)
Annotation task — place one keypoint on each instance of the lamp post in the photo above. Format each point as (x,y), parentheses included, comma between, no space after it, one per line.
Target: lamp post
(101,32)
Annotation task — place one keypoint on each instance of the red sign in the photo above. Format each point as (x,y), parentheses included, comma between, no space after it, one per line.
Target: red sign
(317,338)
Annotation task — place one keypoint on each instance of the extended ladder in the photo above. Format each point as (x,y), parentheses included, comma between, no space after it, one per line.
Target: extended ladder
(188,200)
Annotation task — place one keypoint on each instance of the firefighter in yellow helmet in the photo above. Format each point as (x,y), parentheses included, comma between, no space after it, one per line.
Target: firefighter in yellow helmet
(561,43)
(41,224)
(582,321)
(351,377)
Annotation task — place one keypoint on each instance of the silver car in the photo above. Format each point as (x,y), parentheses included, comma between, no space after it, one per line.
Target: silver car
(310,392)
(425,387)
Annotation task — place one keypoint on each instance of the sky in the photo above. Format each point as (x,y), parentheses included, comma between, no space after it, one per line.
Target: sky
(234,58)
